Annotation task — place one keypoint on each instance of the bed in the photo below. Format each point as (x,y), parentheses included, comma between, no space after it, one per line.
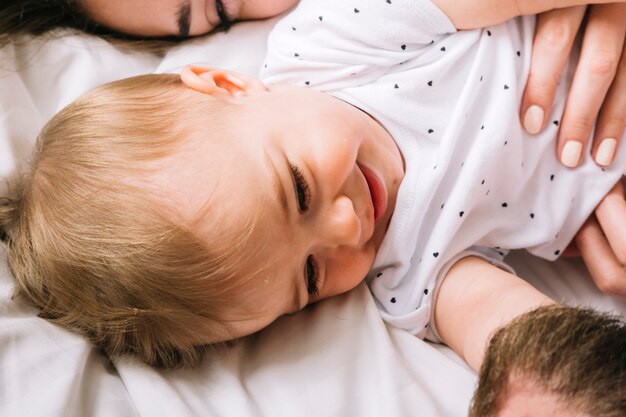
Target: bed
(336,358)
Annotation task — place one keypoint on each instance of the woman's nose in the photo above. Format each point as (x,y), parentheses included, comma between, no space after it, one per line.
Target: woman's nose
(341,225)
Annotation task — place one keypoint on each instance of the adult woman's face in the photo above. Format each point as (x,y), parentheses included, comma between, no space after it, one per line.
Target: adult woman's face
(179,18)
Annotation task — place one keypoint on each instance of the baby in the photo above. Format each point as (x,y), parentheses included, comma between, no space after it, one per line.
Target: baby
(166,214)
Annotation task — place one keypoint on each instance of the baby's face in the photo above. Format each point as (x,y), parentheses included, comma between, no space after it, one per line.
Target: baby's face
(178,17)
(317,177)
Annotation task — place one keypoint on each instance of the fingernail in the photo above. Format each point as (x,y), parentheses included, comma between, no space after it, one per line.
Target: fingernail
(605,153)
(533,119)
(571,153)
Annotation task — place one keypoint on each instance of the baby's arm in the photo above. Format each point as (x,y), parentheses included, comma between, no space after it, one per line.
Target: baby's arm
(472,14)
(474,300)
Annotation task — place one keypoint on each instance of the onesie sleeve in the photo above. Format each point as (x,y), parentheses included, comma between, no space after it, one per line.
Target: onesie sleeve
(493,256)
(333,44)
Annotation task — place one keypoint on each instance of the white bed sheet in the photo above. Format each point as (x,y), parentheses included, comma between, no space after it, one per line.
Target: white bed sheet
(336,358)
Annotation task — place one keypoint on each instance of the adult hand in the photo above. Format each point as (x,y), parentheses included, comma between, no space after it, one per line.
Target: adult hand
(602,243)
(599,87)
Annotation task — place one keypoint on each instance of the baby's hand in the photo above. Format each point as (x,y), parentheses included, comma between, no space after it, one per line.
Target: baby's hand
(602,243)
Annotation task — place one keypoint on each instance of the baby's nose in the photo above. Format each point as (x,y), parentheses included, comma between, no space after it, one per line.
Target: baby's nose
(341,226)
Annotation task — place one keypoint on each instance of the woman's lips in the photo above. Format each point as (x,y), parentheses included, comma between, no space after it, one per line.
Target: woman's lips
(378,192)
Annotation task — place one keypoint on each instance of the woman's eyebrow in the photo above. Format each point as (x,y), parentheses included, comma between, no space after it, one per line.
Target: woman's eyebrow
(184,18)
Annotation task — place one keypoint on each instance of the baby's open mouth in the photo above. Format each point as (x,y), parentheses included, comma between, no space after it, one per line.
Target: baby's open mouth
(378,192)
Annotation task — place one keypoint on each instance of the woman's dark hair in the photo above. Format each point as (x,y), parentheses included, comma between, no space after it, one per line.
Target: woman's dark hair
(36,17)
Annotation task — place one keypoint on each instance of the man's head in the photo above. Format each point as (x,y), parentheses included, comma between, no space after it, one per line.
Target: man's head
(554,361)
(162,215)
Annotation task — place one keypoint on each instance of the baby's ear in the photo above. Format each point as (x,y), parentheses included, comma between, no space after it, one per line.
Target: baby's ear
(219,82)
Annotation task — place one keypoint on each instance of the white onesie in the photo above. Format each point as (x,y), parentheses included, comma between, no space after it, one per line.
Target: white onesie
(475,181)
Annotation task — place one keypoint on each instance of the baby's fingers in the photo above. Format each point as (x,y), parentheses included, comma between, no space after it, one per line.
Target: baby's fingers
(605,269)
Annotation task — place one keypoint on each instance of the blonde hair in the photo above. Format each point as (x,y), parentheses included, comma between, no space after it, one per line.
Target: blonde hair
(98,253)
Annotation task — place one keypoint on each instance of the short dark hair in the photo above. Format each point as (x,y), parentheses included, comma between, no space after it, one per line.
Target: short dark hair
(577,354)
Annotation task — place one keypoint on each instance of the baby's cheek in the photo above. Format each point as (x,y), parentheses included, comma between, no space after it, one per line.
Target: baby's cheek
(345,275)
